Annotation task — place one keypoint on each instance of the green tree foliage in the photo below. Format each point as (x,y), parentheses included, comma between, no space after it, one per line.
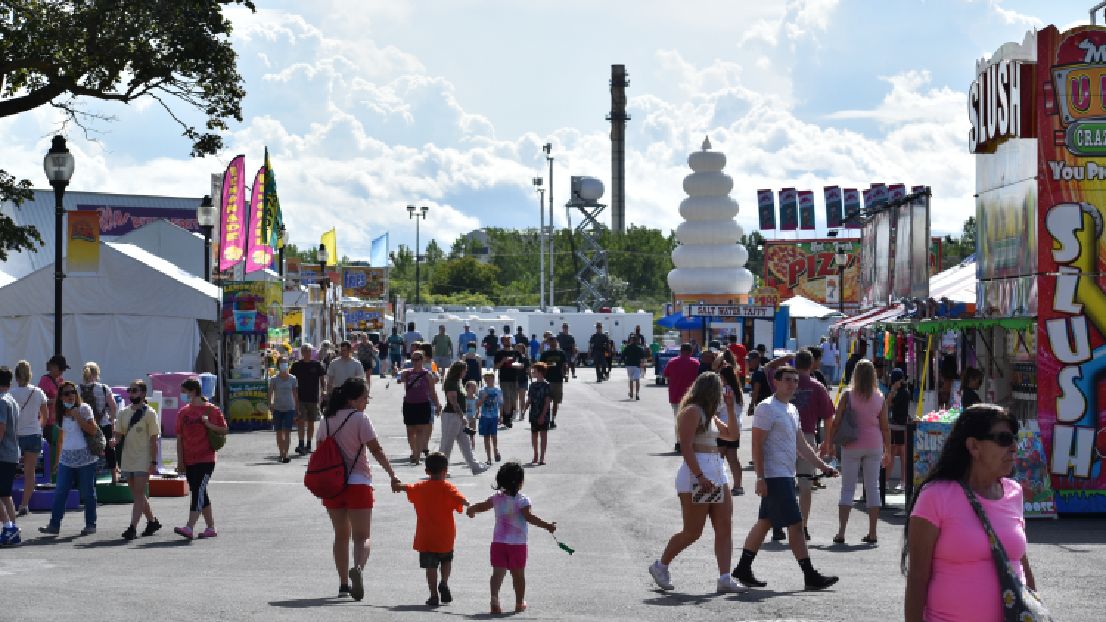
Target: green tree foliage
(464,274)
(62,53)
(754,243)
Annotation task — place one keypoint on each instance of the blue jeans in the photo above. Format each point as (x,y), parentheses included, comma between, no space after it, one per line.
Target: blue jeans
(85,479)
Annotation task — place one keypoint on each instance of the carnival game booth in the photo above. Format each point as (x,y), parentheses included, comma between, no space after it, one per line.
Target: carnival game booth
(251,320)
(137,314)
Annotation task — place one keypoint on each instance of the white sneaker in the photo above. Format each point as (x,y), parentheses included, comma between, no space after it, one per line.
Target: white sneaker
(480,468)
(660,575)
(731,586)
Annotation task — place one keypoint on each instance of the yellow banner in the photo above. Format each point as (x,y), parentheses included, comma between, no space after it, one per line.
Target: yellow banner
(83,241)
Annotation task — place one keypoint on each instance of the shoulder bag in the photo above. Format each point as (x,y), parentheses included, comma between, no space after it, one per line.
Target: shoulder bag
(845,431)
(96,441)
(1019,603)
(216,439)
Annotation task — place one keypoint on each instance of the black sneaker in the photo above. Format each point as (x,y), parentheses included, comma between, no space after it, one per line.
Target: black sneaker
(443,591)
(818,581)
(343,590)
(746,577)
(151,528)
(299,450)
(131,533)
(778,535)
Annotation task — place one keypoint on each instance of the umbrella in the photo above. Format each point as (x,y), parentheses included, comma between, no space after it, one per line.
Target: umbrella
(679,321)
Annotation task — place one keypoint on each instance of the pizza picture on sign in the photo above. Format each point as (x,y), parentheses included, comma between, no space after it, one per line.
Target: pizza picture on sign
(801,268)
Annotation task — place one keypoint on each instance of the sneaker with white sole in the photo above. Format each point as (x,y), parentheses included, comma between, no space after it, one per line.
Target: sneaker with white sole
(660,575)
(729,585)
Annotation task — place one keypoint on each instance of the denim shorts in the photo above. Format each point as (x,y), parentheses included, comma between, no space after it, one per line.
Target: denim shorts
(31,443)
(283,419)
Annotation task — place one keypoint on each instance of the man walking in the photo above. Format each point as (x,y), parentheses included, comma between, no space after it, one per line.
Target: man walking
(464,339)
(343,368)
(508,380)
(633,359)
(776,446)
(410,338)
(309,380)
(568,345)
(556,363)
(680,373)
(9,458)
(520,337)
(597,349)
(395,349)
(491,346)
(443,349)
(366,353)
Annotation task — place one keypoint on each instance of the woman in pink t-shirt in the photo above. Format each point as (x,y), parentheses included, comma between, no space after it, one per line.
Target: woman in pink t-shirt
(870,450)
(950,573)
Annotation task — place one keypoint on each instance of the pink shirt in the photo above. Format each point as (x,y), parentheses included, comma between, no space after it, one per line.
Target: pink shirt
(964,584)
(355,433)
(681,373)
(869,436)
(50,387)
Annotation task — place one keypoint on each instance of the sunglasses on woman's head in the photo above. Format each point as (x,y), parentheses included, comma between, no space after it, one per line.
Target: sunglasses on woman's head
(1002,439)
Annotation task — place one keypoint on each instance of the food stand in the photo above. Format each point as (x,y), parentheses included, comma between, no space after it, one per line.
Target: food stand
(250,308)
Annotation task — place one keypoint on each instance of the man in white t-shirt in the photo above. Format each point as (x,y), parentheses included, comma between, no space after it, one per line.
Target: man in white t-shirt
(776,444)
(343,368)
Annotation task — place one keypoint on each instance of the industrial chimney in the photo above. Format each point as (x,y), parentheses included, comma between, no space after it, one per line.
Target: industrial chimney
(618,119)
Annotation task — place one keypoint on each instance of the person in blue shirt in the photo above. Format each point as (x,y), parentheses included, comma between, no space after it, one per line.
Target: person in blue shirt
(464,339)
(535,348)
(488,402)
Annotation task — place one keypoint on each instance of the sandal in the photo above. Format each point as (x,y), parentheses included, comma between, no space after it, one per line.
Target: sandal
(839,539)
(869,540)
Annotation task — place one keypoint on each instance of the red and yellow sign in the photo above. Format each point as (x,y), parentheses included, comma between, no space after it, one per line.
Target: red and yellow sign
(83,239)
(800,268)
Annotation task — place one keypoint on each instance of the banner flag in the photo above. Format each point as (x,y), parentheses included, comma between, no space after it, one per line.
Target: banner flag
(895,192)
(875,196)
(851,197)
(766,207)
(83,243)
(833,206)
(378,252)
(233,221)
(273,219)
(806,209)
(330,240)
(258,252)
(789,209)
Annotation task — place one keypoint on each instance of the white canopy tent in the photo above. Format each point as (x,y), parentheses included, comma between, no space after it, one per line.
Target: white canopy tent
(139,314)
(176,244)
(810,320)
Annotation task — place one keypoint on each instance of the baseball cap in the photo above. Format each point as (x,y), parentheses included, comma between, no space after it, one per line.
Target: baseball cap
(897,375)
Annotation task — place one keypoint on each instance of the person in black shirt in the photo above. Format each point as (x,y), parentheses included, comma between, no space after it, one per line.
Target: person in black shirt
(504,362)
(556,361)
(597,349)
(309,375)
(969,392)
(520,337)
(899,393)
(568,345)
(759,389)
(817,374)
(860,352)
(491,346)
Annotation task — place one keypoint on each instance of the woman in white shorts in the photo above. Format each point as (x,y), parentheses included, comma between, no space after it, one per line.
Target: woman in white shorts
(702,473)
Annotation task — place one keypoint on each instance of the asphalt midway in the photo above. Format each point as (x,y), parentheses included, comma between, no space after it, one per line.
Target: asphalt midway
(608,484)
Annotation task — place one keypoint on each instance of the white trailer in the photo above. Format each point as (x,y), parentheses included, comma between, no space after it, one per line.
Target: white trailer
(581,325)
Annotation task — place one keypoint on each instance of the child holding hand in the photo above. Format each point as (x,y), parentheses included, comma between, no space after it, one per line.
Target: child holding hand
(508,550)
(435,502)
(488,404)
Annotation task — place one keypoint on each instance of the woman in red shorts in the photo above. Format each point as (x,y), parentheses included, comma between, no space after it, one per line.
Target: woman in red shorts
(351,511)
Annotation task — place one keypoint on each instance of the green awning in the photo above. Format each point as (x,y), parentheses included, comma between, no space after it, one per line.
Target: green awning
(928,327)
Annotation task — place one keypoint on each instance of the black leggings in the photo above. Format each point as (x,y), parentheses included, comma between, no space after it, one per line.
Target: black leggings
(109,451)
(199,475)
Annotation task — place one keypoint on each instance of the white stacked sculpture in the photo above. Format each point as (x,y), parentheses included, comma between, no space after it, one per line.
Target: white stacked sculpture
(710,264)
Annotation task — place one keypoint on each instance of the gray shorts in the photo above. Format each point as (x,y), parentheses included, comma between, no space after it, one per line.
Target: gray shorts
(309,411)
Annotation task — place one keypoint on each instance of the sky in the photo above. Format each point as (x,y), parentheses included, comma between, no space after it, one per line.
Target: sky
(368,106)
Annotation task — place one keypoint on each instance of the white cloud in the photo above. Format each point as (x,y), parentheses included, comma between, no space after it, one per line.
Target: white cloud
(1009,16)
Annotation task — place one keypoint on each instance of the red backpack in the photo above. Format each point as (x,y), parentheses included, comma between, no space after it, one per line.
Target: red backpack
(327,471)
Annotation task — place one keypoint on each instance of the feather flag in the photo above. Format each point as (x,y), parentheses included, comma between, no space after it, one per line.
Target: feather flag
(272,218)
(258,252)
(330,241)
(378,252)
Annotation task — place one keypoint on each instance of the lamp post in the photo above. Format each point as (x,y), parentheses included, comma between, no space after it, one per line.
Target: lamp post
(323,284)
(205,216)
(281,236)
(416,213)
(841,258)
(537,181)
(59,166)
(548,149)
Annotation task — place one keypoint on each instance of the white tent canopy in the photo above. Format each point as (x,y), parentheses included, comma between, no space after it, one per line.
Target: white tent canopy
(810,320)
(168,241)
(800,307)
(957,283)
(138,314)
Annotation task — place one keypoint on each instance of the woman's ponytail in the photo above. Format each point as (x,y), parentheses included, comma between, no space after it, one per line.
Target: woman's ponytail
(335,402)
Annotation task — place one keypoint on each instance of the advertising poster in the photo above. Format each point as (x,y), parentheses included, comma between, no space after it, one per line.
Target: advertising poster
(1071,346)
(800,268)
(361,281)
(233,220)
(929,438)
(789,209)
(114,220)
(259,255)
(292,268)
(851,198)
(249,307)
(833,206)
(364,318)
(248,405)
(806,209)
(766,209)
(82,243)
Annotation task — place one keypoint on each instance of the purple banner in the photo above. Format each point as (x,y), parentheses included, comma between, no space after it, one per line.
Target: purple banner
(833,206)
(789,209)
(851,197)
(117,220)
(806,209)
(766,208)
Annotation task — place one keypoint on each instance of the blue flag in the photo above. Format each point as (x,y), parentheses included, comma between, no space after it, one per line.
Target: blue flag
(378,252)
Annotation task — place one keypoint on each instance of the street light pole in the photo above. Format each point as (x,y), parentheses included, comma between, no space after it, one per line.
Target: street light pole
(411,213)
(281,234)
(324,282)
(205,216)
(841,258)
(58,165)
(548,149)
(537,182)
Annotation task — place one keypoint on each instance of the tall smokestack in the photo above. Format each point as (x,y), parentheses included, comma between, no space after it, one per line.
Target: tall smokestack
(618,119)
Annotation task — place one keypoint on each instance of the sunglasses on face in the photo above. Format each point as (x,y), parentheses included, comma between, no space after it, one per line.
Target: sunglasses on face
(1002,439)
(134,390)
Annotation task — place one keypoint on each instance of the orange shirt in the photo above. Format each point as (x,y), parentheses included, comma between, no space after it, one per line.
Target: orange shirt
(435,502)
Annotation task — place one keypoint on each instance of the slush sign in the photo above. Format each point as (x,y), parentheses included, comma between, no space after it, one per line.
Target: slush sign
(999,104)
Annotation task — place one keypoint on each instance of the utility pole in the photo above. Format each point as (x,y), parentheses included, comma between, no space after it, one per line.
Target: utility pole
(548,149)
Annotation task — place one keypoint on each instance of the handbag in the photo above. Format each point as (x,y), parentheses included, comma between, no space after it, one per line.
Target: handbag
(216,439)
(96,441)
(698,495)
(1019,603)
(846,431)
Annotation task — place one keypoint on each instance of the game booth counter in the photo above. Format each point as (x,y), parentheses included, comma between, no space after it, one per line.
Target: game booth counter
(1038,132)
(252,328)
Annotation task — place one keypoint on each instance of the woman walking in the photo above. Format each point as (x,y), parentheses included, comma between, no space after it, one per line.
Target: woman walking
(284,403)
(76,463)
(729,411)
(454,429)
(947,554)
(351,512)
(420,400)
(100,398)
(870,451)
(137,437)
(32,414)
(195,455)
(702,472)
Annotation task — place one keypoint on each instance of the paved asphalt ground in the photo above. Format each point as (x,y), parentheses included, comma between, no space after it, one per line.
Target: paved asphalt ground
(608,485)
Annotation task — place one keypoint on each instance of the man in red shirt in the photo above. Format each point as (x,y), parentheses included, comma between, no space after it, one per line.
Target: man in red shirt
(680,373)
(739,354)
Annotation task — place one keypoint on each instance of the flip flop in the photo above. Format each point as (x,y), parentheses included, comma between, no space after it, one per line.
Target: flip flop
(869,540)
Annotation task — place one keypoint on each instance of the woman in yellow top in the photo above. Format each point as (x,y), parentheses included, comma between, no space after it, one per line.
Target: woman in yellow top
(137,429)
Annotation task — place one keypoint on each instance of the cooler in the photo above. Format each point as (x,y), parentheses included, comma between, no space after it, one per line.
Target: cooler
(208,385)
(168,383)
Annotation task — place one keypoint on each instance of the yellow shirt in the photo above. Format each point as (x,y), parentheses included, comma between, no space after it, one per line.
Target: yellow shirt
(136,446)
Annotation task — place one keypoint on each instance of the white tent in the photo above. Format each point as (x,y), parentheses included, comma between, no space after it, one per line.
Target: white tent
(957,283)
(810,321)
(138,314)
(176,244)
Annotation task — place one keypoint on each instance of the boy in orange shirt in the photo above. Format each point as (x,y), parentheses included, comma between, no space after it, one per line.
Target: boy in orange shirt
(435,501)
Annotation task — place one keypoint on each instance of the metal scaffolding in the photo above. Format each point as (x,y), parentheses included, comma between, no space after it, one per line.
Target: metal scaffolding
(592,276)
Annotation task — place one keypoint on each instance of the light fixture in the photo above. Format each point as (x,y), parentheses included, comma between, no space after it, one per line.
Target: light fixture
(59,164)
(206,213)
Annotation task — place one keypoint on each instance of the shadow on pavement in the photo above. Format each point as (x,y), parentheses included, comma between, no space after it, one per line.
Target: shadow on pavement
(307,603)
(1066,531)
(99,544)
(165,544)
(48,540)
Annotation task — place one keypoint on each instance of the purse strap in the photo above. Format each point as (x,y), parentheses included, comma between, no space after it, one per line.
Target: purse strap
(1008,579)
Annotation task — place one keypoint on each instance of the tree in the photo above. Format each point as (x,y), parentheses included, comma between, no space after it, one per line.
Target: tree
(464,274)
(754,243)
(968,237)
(61,53)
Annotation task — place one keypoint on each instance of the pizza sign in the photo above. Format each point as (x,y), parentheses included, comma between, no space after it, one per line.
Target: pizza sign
(801,268)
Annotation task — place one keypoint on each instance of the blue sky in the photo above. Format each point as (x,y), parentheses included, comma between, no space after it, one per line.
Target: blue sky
(369,106)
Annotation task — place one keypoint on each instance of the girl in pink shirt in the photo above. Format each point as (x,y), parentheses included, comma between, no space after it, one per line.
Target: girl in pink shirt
(950,573)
